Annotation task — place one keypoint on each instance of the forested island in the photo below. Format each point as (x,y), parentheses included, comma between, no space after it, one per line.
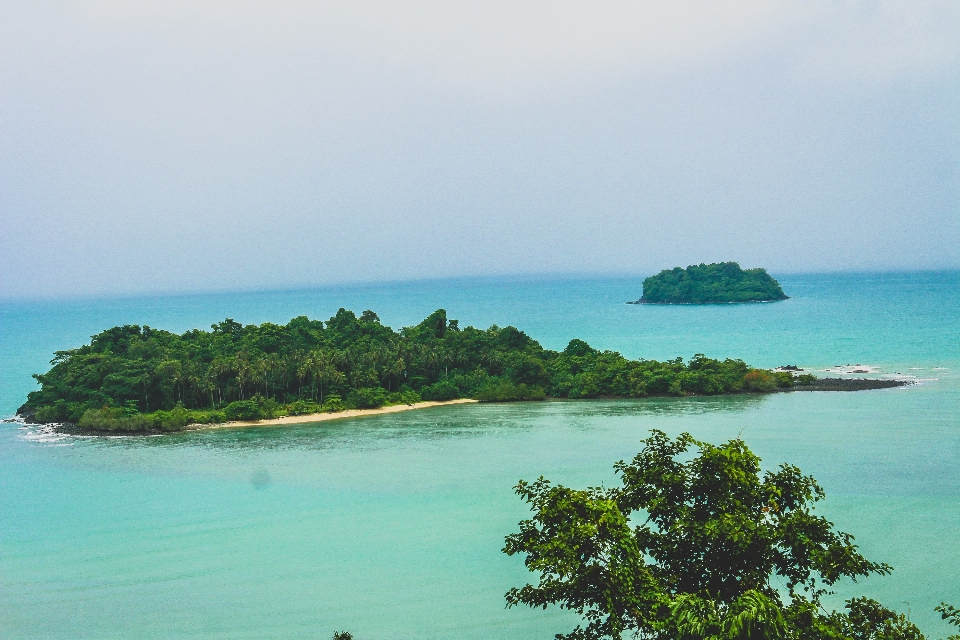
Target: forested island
(718,283)
(139,379)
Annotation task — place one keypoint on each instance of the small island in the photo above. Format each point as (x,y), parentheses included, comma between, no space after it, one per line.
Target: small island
(717,283)
(136,379)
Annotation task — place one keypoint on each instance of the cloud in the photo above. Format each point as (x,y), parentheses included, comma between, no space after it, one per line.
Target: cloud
(159,145)
(883,41)
(507,46)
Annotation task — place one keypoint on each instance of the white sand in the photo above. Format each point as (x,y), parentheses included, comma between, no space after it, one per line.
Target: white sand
(321,417)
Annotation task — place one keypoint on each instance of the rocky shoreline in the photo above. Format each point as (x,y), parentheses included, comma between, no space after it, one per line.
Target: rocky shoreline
(850,384)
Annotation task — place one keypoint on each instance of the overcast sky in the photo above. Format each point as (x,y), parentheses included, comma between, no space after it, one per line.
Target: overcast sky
(183,146)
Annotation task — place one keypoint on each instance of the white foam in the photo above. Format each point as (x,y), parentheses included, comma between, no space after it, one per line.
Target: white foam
(45,433)
(854,369)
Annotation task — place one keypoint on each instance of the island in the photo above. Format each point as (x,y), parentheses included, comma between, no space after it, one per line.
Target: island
(717,283)
(137,379)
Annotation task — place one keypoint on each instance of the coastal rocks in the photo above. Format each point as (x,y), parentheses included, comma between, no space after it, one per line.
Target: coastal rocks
(26,415)
(851,369)
(850,384)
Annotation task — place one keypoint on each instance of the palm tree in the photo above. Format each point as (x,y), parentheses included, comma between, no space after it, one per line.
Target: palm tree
(217,368)
(260,368)
(241,365)
(207,384)
(171,372)
(301,364)
(493,361)
(446,357)
(429,361)
(273,362)
(324,368)
(393,371)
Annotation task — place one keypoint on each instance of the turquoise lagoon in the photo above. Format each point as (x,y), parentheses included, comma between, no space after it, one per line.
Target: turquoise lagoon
(391,526)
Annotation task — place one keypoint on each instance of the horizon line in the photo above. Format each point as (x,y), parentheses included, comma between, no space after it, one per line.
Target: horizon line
(556,276)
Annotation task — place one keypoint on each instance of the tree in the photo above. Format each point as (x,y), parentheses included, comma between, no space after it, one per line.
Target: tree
(951,615)
(692,547)
(324,369)
(243,370)
(869,620)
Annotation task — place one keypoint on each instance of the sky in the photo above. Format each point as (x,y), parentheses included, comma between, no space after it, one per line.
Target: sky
(182,146)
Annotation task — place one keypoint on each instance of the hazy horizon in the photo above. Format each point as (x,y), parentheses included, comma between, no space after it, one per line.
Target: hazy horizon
(166,147)
(545,277)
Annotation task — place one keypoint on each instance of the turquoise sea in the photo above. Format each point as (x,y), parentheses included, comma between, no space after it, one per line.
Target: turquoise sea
(391,526)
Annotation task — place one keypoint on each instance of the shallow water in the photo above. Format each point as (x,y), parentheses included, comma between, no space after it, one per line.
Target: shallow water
(391,526)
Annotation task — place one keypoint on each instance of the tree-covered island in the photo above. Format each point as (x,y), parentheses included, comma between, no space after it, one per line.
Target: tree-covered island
(139,379)
(718,283)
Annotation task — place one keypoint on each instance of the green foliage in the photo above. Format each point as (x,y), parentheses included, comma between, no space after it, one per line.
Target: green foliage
(173,420)
(342,635)
(442,390)
(252,372)
(207,417)
(709,284)
(783,379)
(588,558)
(951,615)
(752,616)
(869,620)
(406,396)
(694,547)
(367,398)
(948,613)
(334,403)
(243,410)
(114,420)
(760,380)
(506,391)
(60,410)
(303,408)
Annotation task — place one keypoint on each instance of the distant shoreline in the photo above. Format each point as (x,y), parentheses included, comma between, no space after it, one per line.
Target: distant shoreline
(642,301)
(323,417)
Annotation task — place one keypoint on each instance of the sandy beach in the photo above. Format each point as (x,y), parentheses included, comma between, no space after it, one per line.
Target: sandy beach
(322,417)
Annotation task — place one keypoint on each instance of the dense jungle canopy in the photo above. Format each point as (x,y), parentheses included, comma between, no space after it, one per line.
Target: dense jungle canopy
(721,282)
(237,371)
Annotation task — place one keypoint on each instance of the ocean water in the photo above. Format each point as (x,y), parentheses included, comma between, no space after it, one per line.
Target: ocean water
(391,526)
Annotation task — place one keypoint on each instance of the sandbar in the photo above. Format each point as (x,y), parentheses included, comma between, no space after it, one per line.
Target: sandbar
(322,417)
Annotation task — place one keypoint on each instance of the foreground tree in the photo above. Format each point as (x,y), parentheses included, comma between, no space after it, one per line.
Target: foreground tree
(693,547)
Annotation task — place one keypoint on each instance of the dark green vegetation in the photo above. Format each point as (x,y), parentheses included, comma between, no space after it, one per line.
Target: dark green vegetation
(695,548)
(710,284)
(134,378)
